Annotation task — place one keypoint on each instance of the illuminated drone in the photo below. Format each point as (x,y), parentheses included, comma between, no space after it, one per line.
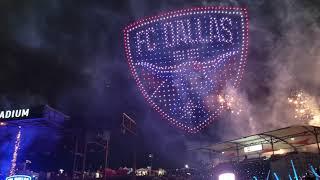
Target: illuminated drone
(182,60)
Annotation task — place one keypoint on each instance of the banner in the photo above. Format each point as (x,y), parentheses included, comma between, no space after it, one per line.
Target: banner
(21,113)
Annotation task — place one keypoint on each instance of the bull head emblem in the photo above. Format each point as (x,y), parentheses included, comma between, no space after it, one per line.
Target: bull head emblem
(182,60)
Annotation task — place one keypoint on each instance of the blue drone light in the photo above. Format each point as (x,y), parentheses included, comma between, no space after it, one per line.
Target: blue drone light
(182,60)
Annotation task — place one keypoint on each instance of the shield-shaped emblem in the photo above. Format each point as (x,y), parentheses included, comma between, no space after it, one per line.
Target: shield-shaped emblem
(182,60)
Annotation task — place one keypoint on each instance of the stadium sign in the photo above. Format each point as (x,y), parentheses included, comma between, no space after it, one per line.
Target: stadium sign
(182,61)
(19,177)
(23,113)
(253,148)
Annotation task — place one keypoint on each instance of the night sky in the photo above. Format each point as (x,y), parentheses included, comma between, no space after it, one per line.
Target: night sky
(70,55)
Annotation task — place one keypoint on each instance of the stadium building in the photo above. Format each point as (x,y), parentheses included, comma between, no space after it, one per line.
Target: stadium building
(286,153)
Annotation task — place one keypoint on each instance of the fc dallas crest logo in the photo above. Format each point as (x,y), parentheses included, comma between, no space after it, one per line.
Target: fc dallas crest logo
(182,60)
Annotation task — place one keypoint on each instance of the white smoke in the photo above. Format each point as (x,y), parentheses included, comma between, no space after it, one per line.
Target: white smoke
(293,59)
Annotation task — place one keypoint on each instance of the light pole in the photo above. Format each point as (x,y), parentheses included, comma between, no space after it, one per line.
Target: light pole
(101,141)
(129,125)
(151,160)
(107,139)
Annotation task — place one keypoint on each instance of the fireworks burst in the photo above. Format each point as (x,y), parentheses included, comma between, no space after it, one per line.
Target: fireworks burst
(231,101)
(305,107)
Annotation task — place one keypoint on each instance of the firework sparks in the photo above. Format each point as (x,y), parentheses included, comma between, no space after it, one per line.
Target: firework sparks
(305,107)
(231,102)
(15,153)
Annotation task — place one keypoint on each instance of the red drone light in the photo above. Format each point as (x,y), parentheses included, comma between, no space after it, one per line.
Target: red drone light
(182,60)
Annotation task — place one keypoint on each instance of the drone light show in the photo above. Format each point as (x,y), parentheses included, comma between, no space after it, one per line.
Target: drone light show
(182,60)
